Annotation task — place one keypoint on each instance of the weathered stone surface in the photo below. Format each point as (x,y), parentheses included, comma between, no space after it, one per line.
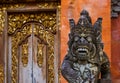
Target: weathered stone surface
(115,7)
(114,14)
(118,3)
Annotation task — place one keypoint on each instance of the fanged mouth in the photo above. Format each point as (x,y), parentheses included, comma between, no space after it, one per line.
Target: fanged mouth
(82,51)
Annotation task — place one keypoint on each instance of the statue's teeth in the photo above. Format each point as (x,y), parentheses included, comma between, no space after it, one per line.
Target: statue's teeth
(83,49)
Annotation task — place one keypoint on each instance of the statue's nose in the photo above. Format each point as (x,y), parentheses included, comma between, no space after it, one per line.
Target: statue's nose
(82,40)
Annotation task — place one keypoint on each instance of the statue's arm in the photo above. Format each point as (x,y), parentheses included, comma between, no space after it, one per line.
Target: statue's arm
(68,72)
(105,68)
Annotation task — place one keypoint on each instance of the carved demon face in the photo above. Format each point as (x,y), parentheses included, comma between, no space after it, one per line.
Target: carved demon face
(83,47)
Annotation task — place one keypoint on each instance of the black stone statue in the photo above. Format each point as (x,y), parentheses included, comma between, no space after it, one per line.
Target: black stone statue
(86,62)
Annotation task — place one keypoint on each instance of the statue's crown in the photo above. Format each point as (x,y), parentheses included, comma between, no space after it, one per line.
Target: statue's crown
(84,22)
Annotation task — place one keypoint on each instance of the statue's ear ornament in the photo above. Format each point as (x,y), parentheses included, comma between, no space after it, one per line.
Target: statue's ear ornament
(72,23)
(98,24)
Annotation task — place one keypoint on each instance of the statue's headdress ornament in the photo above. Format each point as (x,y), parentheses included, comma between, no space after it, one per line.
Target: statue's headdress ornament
(84,22)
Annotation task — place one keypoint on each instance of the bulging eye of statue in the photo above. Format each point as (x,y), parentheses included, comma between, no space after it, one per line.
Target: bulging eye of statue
(89,39)
(76,38)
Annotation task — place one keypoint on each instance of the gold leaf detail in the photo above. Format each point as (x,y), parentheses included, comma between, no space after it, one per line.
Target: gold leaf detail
(1,74)
(40,54)
(25,54)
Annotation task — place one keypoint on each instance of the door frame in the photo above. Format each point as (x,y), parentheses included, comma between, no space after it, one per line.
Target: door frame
(57,40)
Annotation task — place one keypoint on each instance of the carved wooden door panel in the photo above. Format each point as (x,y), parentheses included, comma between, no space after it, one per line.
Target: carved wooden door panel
(32,59)
(32,46)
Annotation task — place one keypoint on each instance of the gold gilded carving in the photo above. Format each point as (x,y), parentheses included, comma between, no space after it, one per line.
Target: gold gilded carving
(48,38)
(16,39)
(51,64)
(1,74)
(46,19)
(48,5)
(2,13)
(1,21)
(40,54)
(50,41)
(25,54)
(15,6)
(15,21)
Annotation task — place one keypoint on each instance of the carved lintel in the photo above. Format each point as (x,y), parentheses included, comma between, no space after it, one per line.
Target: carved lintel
(26,1)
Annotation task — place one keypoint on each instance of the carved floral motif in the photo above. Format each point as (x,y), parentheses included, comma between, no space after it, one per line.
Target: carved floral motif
(46,19)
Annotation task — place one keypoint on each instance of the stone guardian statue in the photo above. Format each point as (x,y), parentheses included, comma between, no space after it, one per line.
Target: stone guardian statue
(86,62)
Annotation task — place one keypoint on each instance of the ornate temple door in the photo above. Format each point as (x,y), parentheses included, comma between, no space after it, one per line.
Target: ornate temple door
(31,47)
